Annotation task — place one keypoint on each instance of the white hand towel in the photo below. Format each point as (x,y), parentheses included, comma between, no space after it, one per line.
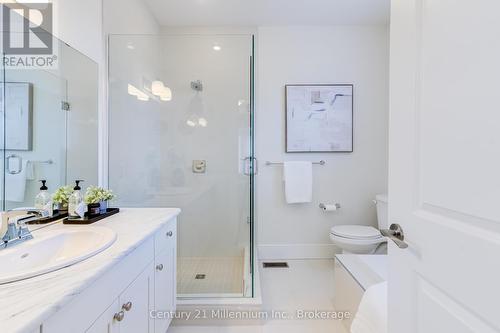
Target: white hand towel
(30,171)
(372,312)
(298,181)
(15,184)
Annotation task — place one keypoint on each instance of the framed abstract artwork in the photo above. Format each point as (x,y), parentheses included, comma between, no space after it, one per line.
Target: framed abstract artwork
(319,118)
(18,117)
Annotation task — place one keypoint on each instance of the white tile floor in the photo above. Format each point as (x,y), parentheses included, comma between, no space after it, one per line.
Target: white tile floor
(306,285)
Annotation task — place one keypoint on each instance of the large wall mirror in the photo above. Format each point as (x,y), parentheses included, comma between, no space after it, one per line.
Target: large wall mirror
(49,126)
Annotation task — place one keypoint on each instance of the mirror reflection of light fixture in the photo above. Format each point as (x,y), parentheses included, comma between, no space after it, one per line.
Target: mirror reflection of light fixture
(142,96)
(132,90)
(196,115)
(192,121)
(166,94)
(157,88)
(202,122)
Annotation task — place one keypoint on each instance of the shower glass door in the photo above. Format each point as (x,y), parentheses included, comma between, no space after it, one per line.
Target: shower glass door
(181,135)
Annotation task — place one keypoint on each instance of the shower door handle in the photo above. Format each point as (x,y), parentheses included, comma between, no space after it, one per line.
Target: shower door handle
(251,168)
(255,165)
(19,166)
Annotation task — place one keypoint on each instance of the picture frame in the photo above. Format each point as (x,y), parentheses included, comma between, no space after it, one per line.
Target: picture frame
(319,118)
(18,105)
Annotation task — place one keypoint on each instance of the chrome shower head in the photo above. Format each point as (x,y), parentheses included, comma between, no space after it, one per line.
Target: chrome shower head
(197,85)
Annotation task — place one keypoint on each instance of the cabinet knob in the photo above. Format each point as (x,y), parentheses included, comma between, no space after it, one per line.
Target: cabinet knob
(127,306)
(119,316)
(170,234)
(159,267)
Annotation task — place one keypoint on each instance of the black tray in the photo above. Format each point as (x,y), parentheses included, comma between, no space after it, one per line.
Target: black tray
(90,220)
(56,216)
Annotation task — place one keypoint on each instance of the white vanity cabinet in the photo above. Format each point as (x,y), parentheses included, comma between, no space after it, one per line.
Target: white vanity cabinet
(122,299)
(165,275)
(104,323)
(130,312)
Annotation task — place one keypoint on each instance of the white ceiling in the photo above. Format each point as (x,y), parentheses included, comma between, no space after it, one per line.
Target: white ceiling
(268,12)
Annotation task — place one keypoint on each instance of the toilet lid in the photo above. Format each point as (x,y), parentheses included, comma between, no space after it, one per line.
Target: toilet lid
(356,231)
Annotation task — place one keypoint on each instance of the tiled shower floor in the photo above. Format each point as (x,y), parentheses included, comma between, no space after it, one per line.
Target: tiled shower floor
(223,276)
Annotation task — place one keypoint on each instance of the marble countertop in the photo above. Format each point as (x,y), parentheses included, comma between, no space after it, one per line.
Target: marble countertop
(25,304)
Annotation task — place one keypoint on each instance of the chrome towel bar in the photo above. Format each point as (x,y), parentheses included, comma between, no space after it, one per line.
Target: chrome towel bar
(20,163)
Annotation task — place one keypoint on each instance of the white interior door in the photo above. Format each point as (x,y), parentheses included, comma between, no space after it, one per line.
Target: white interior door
(444,178)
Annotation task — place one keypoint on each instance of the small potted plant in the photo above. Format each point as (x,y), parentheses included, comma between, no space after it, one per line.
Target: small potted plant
(97,198)
(92,198)
(106,195)
(61,196)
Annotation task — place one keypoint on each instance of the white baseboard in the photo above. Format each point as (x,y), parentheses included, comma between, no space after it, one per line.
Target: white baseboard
(296,251)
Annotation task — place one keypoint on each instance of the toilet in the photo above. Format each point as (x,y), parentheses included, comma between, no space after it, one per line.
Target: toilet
(362,239)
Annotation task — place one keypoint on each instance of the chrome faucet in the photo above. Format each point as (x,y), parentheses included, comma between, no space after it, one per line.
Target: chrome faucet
(17,231)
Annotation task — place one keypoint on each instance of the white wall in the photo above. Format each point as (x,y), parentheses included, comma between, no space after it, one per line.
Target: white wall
(79,24)
(128,17)
(342,54)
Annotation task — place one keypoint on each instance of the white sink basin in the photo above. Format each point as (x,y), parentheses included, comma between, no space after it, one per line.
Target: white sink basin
(51,250)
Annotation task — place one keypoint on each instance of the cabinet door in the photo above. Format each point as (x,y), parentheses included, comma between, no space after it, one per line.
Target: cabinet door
(135,303)
(105,323)
(165,281)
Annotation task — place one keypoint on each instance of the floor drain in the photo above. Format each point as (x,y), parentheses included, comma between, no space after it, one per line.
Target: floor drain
(282,264)
(200,276)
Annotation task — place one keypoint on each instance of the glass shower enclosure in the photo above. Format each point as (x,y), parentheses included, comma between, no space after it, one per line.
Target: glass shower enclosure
(181,135)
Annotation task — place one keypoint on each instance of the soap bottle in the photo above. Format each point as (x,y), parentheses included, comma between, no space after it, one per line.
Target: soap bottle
(43,199)
(76,207)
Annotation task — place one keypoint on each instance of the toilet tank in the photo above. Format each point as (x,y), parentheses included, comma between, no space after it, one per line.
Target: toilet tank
(382,217)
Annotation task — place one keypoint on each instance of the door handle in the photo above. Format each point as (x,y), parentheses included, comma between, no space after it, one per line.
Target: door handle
(20,164)
(255,166)
(251,166)
(396,234)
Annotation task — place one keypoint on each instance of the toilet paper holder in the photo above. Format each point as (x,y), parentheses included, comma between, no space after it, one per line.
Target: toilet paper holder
(323,206)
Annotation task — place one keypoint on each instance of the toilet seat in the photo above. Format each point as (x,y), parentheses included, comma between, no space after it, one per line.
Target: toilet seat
(356,232)
(358,239)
